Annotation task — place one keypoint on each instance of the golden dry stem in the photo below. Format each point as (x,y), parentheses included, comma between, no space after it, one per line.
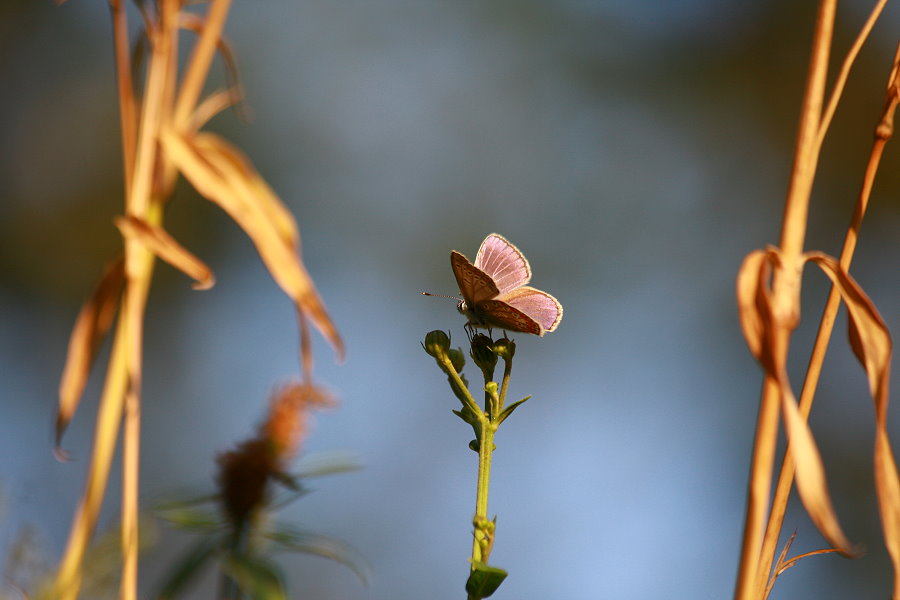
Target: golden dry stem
(768,289)
(160,140)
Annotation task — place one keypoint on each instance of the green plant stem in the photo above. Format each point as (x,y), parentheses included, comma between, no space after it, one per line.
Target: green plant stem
(467,398)
(507,370)
(480,543)
(489,422)
(229,587)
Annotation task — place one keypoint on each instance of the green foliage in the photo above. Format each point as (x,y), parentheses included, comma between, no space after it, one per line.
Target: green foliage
(484,580)
(243,552)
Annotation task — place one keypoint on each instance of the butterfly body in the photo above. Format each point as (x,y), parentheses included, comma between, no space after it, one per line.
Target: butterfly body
(494,291)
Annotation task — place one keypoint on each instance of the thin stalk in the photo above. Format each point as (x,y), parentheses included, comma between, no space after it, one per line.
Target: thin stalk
(485,454)
(489,421)
(507,371)
(68,577)
(139,262)
(201,58)
(228,586)
(130,482)
(761,466)
(786,282)
(125,86)
(844,73)
(786,298)
(133,308)
(883,132)
(131,458)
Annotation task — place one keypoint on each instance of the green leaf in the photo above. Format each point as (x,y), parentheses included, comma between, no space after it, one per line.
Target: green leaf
(258,577)
(195,519)
(289,481)
(177,504)
(289,539)
(509,409)
(188,568)
(466,415)
(484,580)
(326,463)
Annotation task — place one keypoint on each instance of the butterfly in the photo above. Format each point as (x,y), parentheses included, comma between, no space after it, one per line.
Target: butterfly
(494,293)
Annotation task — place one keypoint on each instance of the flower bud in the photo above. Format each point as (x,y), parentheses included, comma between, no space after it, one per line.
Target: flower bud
(505,348)
(457,359)
(437,344)
(483,354)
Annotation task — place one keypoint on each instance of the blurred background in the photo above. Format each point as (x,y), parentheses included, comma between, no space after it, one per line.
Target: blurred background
(634,151)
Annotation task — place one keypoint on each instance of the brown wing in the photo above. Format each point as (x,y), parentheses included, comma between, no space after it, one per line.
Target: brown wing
(474,284)
(496,313)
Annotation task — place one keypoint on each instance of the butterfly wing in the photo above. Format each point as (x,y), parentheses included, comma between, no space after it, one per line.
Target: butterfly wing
(497,313)
(503,263)
(474,284)
(535,304)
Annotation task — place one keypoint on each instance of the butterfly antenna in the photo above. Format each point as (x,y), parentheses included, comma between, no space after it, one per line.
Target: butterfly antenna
(440,296)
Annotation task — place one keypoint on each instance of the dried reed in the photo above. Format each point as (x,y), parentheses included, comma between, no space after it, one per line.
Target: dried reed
(161,139)
(768,290)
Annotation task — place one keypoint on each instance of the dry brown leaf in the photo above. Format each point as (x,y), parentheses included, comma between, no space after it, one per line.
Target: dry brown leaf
(871,342)
(870,339)
(888,488)
(810,472)
(91,327)
(759,327)
(235,92)
(163,245)
(783,563)
(259,190)
(754,303)
(222,174)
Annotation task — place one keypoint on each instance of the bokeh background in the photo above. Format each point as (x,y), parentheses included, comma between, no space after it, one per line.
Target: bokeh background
(635,152)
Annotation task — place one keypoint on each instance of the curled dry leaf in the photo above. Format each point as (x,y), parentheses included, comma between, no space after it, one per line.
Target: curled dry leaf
(810,472)
(871,342)
(235,93)
(754,303)
(90,329)
(223,175)
(869,335)
(163,245)
(759,326)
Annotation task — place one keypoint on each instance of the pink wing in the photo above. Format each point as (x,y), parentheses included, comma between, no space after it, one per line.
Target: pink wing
(535,304)
(503,263)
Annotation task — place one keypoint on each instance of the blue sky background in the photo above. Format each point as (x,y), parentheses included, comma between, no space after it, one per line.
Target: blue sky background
(635,152)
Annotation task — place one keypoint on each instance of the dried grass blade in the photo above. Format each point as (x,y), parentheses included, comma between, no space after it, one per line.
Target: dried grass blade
(257,189)
(195,23)
(758,324)
(871,342)
(754,300)
(785,565)
(210,107)
(810,472)
(221,174)
(844,73)
(888,488)
(163,245)
(90,329)
(200,60)
(869,337)
(782,557)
